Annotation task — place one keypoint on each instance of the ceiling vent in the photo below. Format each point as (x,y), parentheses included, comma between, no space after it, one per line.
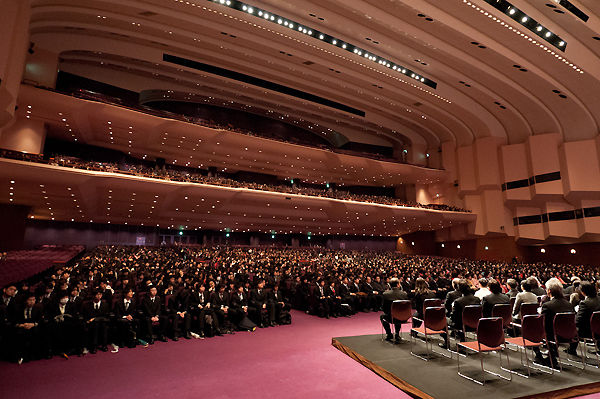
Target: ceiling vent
(417,104)
(308,63)
(148,14)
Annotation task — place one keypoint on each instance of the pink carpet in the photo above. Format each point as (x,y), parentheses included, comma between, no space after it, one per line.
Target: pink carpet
(295,361)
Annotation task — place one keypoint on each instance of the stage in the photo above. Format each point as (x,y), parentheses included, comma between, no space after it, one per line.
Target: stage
(438,377)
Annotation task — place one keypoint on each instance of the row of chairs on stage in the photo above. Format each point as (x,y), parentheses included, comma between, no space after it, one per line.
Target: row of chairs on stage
(491,335)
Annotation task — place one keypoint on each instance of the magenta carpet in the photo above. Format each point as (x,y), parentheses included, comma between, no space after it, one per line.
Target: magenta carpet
(295,361)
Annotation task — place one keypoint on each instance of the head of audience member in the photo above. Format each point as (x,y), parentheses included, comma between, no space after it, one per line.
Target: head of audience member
(455,282)
(261,285)
(554,288)
(533,282)
(30,301)
(588,289)
(494,287)
(421,285)
(97,296)
(74,291)
(394,283)
(512,284)
(483,282)
(129,293)
(9,291)
(64,298)
(152,291)
(464,288)
(525,286)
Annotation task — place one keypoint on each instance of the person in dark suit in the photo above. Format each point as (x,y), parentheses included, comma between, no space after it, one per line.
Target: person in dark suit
(322,300)
(282,307)
(182,320)
(557,304)
(153,313)
(374,298)
(202,311)
(348,297)
(467,298)
(265,310)
(26,320)
(335,300)
(451,296)
(95,315)
(220,304)
(496,297)
(361,297)
(63,327)
(126,318)
(513,287)
(241,308)
(421,293)
(389,296)
(587,306)
(535,286)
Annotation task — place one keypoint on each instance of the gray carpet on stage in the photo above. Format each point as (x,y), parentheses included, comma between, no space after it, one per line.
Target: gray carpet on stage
(439,379)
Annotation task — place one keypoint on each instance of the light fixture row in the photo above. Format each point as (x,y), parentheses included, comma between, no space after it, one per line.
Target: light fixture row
(529,23)
(324,37)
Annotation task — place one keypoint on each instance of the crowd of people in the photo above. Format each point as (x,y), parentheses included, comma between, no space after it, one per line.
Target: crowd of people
(191,176)
(115,296)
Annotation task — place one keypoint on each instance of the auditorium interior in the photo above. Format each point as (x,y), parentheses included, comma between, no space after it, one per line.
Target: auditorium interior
(300,198)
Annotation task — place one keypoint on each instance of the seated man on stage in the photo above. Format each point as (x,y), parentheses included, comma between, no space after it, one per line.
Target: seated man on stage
(390,296)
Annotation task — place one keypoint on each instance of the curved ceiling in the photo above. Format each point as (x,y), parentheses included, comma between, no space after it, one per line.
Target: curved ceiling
(494,77)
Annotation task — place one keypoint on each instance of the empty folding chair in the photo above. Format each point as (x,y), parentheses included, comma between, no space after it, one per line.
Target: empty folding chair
(490,338)
(470,318)
(434,323)
(503,310)
(533,335)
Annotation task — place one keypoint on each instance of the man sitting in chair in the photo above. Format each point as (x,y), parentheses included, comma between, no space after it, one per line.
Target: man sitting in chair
(390,296)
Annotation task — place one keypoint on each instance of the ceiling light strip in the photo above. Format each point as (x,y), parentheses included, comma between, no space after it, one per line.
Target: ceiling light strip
(524,36)
(316,34)
(529,23)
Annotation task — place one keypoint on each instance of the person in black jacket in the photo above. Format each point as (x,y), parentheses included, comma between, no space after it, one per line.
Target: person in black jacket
(26,320)
(241,310)
(182,320)
(265,310)
(374,298)
(390,296)
(152,309)
(202,311)
(348,297)
(280,304)
(64,328)
(95,315)
(589,305)
(496,297)
(467,298)
(220,303)
(126,318)
(557,304)
(452,296)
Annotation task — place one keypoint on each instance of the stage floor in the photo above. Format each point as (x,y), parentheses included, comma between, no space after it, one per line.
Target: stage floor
(438,377)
